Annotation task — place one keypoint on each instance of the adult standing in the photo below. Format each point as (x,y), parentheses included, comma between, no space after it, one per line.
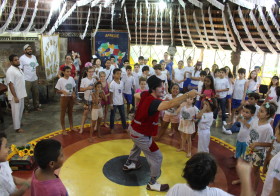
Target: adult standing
(69,63)
(169,64)
(145,125)
(16,91)
(29,65)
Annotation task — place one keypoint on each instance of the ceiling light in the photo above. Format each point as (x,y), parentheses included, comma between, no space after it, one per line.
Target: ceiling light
(162,5)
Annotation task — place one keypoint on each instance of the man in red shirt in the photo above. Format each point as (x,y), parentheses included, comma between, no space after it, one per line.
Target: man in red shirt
(145,125)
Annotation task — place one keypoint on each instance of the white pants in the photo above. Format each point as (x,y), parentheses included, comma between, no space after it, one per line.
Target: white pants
(17,110)
(203,140)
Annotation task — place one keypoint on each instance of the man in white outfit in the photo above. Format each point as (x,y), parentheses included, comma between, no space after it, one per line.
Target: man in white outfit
(16,91)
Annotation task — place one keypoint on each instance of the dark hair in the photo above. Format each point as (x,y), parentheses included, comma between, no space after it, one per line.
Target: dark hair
(198,63)
(46,151)
(97,83)
(96,60)
(86,70)
(230,75)
(136,64)
(69,55)
(154,61)
(153,83)
(203,73)
(212,102)
(116,70)
(157,66)
(270,108)
(274,77)
(101,72)
(145,68)
(277,89)
(200,170)
(250,107)
(64,69)
(258,67)
(126,61)
(112,57)
(2,135)
(223,70)
(142,79)
(256,96)
(12,56)
(241,71)
(249,78)
(140,58)
(209,71)
(216,70)
(212,86)
(128,67)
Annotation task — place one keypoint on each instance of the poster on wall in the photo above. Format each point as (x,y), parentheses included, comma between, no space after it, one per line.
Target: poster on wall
(106,44)
(50,55)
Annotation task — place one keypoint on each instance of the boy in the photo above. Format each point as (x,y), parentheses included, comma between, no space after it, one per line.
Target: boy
(117,99)
(145,72)
(48,155)
(7,181)
(221,86)
(136,74)
(178,75)
(253,99)
(161,76)
(141,62)
(114,65)
(154,62)
(199,89)
(238,95)
(123,69)
(146,61)
(129,85)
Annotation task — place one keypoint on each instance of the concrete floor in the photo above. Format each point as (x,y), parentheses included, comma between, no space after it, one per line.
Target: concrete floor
(37,124)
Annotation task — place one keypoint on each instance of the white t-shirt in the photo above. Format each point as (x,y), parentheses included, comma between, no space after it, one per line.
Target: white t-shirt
(195,74)
(163,77)
(272,92)
(189,69)
(179,75)
(199,89)
(221,83)
(117,90)
(185,190)
(273,172)
(188,113)
(136,79)
(277,103)
(28,65)
(206,121)
(128,82)
(252,87)
(238,89)
(230,86)
(97,70)
(257,111)
(16,76)
(243,134)
(66,85)
(123,69)
(86,82)
(7,184)
(171,111)
(114,66)
(109,74)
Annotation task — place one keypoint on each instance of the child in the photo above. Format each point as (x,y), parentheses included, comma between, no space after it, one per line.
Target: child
(230,78)
(87,87)
(178,75)
(97,112)
(188,73)
(145,72)
(195,76)
(238,95)
(154,62)
(129,85)
(66,87)
(221,88)
(251,85)
(273,84)
(48,155)
(123,69)
(160,75)
(98,66)
(208,88)
(199,89)
(253,99)
(214,69)
(259,79)
(216,74)
(164,71)
(8,182)
(276,100)
(261,134)
(205,117)
(186,125)
(117,99)
(137,74)
(105,88)
(141,62)
(143,87)
(207,70)
(108,71)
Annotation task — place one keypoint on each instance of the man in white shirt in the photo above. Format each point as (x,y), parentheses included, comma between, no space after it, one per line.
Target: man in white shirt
(16,91)
(108,71)
(29,66)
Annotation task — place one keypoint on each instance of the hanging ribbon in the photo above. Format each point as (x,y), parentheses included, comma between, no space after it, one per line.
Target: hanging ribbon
(274,21)
(33,17)
(267,27)
(148,23)
(87,23)
(127,25)
(58,19)
(204,29)
(217,4)
(94,3)
(112,16)
(267,3)
(236,31)
(196,3)
(83,2)
(123,1)
(227,34)
(72,9)
(136,12)
(213,29)
(243,3)
(107,3)
(171,26)
(198,30)
(161,29)
(147,4)
(98,22)
(11,15)
(248,32)
(140,24)
(156,25)
(180,26)
(16,29)
(188,28)
(40,31)
(3,6)
(265,40)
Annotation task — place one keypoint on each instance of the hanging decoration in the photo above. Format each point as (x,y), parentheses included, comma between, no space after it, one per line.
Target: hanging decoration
(147,4)
(243,3)
(248,32)
(217,4)
(95,2)
(123,1)
(55,26)
(83,2)
(136,12)
(227,33)
(198,30)
(33,17)
(171,25)
(112,16)
(16,29)
(68,13)
(213,29)
(267,27)
(107,3)
(3,6)
(40,31)
(236,31)
(204,29)
(140,24)
(98,21)
(156,25)
(87,23)
(11,15)
(148,22)
(196,3)
(180,26)
(127,25)
(265,40)
(161,29)
(274,21)
(267,3)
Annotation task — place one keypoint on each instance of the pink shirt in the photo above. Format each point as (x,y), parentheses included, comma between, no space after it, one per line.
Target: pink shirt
(208,93)
(140,91)
(49,187)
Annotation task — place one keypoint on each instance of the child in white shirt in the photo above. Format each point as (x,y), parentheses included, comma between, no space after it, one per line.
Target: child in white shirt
(137,74)
(129,85)
(160,75)
(272,92)
(199,89)
(178,75)
(123,69)
(276,100)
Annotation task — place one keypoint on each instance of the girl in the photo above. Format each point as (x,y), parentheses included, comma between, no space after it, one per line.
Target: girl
(229,75)
(87,84)
(69,63)
(208,72)
(187,126)
(205,117)
(272,92)
(195,76)
(170,115)
(214,68)
(97,112)
(105,88)
(142,84)
(216,74)
(98,68)
(251,86)
(66,87)
(164,70)
(261,134)
(276,100)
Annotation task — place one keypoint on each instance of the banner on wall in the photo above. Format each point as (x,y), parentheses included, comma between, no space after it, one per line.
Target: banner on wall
(50,54)
(106,44)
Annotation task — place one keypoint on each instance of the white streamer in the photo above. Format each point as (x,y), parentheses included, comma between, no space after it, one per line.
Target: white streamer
(112,16)
(58,19)
(204,29)
(148,23)
(182,3)
(94,3)
(161,30)
(227,34)
(40,31)
(156,25)
(274,21)
(72,9)
(11,15)
(16,29)
(267,27)
(248,32)
(140,24)
(107,3)
(147,4)
(180,26)
(217,4)
(83,2)
(3,6)
(265,40)
(33,17)
(123,1)
(136,12)
(236,31)
(188,29)
(198,30)
(127,25)
(243,3)
(87,23)
(213,29)
(98,21)
(264,3)
(171,26)
(196,3)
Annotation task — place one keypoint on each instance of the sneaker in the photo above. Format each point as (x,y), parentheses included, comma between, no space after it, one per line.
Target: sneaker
(228,132)
(157,187)
(131,165)
(224,123)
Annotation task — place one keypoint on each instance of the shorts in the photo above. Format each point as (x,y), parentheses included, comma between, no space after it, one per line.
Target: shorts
(228,96)
(240,149)
(96,113)
(128,98)
(171,118)
(276,120)
(187,82)
(236,103)
(198,104)
(192,86)
(256,158)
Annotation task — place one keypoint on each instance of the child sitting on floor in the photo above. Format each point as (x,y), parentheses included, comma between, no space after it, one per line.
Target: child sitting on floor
(48,155)
(7,181)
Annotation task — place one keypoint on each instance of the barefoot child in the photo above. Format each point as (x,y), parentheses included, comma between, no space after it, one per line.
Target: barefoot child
(105,104)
